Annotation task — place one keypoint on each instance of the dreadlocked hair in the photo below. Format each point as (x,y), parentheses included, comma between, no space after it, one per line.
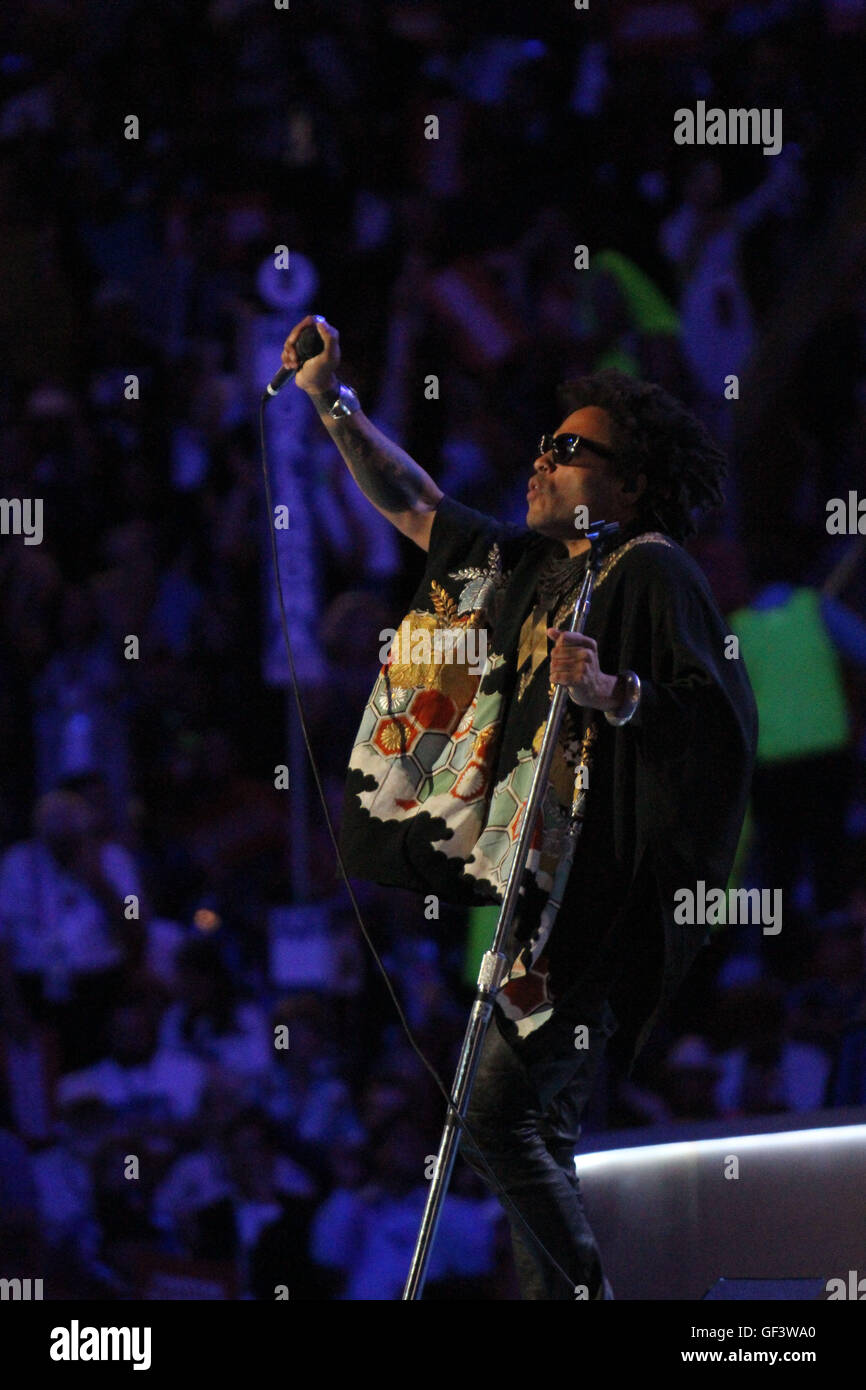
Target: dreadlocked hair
(653,433)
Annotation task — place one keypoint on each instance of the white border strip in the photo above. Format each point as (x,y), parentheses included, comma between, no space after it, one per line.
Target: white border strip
(700,1148)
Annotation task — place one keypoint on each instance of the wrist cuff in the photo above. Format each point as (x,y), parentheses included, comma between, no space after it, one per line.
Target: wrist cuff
(629,706)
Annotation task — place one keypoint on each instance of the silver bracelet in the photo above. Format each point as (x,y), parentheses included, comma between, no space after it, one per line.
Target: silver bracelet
(632,700)
(346,403)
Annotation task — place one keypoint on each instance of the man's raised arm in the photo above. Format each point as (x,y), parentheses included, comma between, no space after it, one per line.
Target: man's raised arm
(395,484)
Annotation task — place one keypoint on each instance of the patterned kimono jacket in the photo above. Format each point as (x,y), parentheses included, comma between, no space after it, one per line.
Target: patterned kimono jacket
(443,760)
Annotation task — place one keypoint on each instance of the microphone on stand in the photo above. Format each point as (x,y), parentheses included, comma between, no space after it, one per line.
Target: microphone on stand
(308,344)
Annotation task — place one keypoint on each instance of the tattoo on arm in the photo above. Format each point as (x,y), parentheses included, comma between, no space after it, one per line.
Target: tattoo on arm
(384,472)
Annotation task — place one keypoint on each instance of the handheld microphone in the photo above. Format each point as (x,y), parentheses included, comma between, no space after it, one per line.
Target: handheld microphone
(308,344)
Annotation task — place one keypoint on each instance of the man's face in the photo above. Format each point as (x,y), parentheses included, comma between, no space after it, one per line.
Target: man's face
(587,479)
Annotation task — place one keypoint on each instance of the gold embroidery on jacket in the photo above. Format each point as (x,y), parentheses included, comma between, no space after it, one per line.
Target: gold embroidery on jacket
(566,606)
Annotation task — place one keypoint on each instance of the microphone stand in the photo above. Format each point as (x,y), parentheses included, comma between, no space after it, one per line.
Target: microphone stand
(494,963)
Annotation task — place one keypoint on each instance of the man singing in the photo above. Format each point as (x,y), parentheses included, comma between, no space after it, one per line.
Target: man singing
(655,749)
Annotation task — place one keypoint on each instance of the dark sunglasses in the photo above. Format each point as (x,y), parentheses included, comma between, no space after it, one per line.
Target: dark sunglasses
(563,447)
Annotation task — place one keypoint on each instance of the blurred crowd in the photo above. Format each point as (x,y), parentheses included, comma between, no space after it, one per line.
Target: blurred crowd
(204,1089)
